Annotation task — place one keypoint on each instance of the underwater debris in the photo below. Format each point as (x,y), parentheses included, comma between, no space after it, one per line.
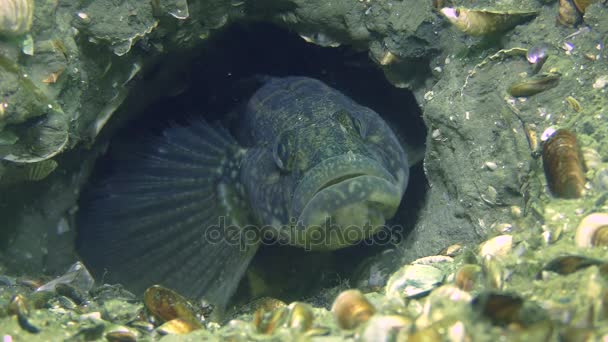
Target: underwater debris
(76,276)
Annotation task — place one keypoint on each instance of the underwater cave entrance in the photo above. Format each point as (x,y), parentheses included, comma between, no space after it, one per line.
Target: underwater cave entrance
(219,80)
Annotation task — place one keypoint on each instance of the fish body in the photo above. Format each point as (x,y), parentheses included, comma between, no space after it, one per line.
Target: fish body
(308,167)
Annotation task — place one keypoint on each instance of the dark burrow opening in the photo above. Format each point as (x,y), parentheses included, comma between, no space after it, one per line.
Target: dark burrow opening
(220,79)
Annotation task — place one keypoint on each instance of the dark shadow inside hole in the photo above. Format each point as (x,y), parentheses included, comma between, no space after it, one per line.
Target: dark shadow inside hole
(220,80)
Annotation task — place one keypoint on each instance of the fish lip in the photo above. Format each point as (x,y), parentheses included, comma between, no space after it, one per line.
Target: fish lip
(344,167)
(338,180)
(366,213)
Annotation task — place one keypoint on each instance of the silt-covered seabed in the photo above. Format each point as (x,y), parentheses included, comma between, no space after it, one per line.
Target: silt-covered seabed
(82,70)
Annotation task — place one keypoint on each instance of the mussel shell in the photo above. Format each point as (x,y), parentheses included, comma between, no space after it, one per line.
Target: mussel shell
(592,230)
(499,308)
(120,336)
(301,316)
(568,264)
(16,16)
(385,328)
(168,305)
(351,309)
(177,326)
(267,321)
(533,85)
(568,15)
(563,164)
(581,5)
(468,276)
(479,22)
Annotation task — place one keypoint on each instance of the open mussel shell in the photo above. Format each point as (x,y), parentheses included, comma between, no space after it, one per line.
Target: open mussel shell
(592,231)
(563,165)
(479,22)
(413,281)
(16,16)
(351,309)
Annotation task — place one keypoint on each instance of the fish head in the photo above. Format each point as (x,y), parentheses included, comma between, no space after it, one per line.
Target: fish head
(328,183)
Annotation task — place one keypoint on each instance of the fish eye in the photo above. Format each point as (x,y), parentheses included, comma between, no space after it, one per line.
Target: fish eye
(343,118)
(283,151)
(359,127)
(350,122)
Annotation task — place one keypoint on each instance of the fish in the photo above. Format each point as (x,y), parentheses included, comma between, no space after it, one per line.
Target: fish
(189,208)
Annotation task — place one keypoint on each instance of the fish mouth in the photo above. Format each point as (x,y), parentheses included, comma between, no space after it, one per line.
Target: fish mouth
(342,201)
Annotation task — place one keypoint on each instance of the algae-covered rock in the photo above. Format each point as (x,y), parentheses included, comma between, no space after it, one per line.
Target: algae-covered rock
(118,24)
(33,126)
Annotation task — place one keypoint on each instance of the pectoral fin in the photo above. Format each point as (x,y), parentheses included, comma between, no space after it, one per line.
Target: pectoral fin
(158,218)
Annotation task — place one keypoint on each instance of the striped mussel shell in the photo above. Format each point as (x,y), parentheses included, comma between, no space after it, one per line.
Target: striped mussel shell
(16,16)
(563,164)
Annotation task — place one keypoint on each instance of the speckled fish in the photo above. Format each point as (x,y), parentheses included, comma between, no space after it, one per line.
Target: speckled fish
(308,167)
